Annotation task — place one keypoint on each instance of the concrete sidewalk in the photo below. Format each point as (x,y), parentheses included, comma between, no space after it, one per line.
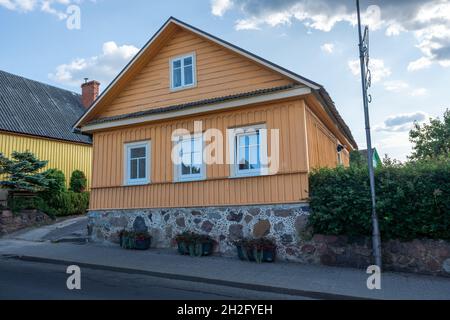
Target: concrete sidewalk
(72,227)
(288,278)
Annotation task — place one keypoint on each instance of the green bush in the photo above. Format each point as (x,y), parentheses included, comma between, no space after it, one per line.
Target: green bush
(56,184)
(79,202)
(17,203)
(70,203)
(78,181)
(413,201)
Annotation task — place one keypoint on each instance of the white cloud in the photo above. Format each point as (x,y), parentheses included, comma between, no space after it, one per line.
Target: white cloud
(401,122)
(427,20)
(103,67)
(378,69)
(394,29)
(395,85)
(219,7)
(419,92)
(19,5)
(54,7)
(300,10)
(327,47)
(246,24)
(419,64)
(395,144)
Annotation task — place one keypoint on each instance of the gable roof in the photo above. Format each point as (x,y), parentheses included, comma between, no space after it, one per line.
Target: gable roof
(34,108)
(317,88)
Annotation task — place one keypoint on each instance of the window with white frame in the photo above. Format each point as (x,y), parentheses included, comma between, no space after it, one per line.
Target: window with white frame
(190,163)
(137,163)
(250,151)
(182,72)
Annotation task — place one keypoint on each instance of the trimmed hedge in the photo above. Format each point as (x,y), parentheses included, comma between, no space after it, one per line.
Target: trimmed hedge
(413,201)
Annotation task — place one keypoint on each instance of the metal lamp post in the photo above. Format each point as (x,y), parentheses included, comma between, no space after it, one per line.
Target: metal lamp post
(366,83)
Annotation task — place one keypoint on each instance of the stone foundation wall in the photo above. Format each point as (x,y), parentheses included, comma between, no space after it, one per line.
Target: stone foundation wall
(419,256)
(224,224)
(10,222)
(286,224)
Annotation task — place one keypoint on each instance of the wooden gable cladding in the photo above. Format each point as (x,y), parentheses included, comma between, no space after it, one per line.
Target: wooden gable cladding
(219,72)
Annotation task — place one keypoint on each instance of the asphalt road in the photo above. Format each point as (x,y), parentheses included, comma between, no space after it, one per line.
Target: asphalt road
(38,281)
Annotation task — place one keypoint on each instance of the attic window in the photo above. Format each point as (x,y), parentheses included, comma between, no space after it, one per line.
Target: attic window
(182,72)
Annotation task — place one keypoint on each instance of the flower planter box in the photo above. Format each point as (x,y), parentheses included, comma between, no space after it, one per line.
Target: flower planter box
(194,244)
(253,254)
(133,243)
(192,249)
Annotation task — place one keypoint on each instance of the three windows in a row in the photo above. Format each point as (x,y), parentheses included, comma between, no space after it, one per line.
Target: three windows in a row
(248,149)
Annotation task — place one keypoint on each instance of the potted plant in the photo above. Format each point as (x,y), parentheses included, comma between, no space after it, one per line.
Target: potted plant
(259,250)
(135,240)
(194,244)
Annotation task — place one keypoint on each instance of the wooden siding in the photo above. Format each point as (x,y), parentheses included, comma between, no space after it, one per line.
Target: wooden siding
(64,156)
(220,72)
(322,144)
(289,185)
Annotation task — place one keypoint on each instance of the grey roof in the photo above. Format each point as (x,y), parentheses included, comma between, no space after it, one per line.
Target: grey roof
(198,103)
(38,109)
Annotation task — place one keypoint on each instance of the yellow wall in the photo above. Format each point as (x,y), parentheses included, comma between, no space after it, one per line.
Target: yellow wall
(64,156)
(322,144)
(289,185)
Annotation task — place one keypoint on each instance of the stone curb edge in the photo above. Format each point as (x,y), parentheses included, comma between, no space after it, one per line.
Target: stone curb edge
(226,283)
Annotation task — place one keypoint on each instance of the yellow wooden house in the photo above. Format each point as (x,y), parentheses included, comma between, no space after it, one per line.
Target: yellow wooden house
(154,121)
(39,118)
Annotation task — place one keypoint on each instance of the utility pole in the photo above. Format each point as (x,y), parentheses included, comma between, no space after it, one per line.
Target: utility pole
(366,83)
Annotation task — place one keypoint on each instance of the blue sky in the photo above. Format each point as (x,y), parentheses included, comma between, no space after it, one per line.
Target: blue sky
(410,48)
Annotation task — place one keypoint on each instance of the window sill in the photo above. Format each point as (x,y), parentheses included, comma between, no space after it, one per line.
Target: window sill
(190,180)
(249,175)
(183,88)
(136,184)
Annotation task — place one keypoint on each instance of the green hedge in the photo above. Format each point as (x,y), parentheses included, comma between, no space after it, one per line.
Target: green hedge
(413,201)
(70,203)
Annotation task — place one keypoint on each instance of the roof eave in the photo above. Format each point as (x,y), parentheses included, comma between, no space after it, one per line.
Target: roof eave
(340,123)
(197,110)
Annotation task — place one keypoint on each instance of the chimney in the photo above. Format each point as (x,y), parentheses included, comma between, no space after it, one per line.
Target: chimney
(89,92)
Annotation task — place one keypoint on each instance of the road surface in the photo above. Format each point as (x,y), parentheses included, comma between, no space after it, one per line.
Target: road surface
(39,281)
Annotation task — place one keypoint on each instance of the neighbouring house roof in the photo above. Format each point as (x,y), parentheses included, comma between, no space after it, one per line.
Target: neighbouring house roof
(375,155)
(318,89)
(38,109)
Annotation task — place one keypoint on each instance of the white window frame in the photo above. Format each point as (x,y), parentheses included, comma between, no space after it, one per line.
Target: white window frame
(263,150)
(127,158)
(194,72)
(179,177)
(340,160)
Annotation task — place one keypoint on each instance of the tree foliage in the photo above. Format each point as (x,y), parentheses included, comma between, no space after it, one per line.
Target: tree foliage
(357,159)
(78,181)
(431,140)
(21,172)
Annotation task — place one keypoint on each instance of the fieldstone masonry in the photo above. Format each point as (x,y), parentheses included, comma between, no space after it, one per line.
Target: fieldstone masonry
(286,224)
(225,224)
